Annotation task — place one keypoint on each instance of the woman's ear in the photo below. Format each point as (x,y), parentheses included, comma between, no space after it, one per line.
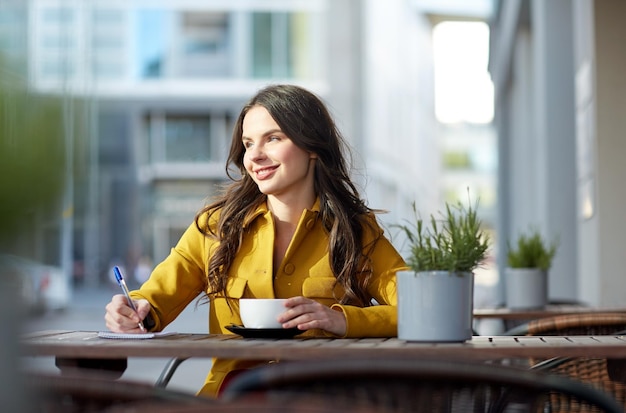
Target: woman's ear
(312,155)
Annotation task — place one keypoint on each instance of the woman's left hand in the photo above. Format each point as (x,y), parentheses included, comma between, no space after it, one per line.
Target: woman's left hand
(307,314)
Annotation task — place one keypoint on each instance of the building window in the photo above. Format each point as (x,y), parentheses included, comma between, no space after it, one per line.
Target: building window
(103,69)
(272,43)
(204,45)
(108,16)
(57,68)
(183,44)
(57,42)
(200,44)
(60,15)
(151,36)
(187,139)
(107,42)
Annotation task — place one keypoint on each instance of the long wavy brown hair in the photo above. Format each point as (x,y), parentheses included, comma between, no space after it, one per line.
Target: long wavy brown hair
(304,118)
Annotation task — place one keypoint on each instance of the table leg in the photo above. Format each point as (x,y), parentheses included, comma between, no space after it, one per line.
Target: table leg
(116,367)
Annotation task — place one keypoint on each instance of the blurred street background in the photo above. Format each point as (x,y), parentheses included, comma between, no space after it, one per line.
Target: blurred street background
(116,116)
(119,115)
(116,120)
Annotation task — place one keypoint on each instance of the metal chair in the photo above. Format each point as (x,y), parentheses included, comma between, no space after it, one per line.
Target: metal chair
(572,324)
(97,392)
(413,386)
(609,375)
(168,371)
(90,392)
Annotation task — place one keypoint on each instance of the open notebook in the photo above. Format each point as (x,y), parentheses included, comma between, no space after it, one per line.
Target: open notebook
(132,336)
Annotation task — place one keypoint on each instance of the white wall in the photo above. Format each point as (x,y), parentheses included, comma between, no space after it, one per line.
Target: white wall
(601,105)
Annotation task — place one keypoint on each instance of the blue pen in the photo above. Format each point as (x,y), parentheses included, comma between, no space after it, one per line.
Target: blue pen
(122,283)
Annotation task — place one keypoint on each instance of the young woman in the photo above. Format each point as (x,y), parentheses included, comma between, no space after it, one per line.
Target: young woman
(290,225)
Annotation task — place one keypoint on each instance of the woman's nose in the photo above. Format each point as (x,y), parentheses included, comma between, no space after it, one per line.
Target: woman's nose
(256,152)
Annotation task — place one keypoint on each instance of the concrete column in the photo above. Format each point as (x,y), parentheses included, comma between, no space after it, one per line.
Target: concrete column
(554,179)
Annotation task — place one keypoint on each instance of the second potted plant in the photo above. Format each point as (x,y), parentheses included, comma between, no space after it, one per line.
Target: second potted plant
(435,293)
(528,263)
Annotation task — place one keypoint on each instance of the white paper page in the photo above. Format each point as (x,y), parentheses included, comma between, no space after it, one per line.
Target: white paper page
(132,336)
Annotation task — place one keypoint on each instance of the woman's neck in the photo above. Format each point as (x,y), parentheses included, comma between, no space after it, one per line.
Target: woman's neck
(286,216)
(289,211)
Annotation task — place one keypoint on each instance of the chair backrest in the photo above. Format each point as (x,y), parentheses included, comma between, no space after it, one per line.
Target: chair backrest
(413,386)
(599,372)
(96,392)
(591,323)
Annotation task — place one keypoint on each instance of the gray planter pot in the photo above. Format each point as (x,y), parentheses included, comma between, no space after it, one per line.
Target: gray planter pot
(435,306)
(526,288)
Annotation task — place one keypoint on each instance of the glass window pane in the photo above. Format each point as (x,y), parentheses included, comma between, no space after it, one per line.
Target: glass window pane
(109,16)
(283,39)
(107,70)
(58,15)
(273,40)
(300,51)
(262,44)
(151,37)
(187,139)
(107,42)
(204,45)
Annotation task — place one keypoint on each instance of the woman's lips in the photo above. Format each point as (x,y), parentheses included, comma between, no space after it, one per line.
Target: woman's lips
(265,173)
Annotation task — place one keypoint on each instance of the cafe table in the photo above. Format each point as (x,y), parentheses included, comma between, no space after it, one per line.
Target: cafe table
(84,345)
(67,345)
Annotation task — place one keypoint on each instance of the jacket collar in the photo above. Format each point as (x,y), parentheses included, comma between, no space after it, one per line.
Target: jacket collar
(262,209)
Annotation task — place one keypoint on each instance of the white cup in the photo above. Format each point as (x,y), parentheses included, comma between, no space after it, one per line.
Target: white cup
(261,312)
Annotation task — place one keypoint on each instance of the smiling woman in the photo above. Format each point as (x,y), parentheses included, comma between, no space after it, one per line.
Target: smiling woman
(291,225)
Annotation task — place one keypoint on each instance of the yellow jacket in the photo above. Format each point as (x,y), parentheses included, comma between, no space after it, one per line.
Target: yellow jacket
(305,271)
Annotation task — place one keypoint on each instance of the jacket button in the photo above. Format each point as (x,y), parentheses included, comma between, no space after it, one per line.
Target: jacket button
(310,223)
(289,269)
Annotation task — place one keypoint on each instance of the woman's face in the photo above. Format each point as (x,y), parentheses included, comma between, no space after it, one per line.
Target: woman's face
(275,163)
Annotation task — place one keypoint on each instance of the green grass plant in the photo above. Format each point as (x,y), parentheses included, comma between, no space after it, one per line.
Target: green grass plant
(531,251)
(455,242)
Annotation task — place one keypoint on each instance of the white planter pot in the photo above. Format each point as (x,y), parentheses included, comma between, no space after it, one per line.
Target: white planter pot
(435,306)
(526,288)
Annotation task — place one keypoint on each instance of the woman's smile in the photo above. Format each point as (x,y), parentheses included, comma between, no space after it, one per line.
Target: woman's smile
(265,173)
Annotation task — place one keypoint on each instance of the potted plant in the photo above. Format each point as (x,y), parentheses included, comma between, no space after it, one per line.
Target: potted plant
(436,291)
(528,263)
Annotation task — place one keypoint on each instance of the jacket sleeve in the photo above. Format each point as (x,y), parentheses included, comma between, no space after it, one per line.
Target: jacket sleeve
(379,320)
(177,280)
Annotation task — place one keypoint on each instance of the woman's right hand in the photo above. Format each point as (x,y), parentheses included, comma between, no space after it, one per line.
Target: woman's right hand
(121,318)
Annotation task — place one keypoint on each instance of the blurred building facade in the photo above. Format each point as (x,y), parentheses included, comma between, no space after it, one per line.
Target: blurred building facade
(560,94)
(165,81)
(161,83)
